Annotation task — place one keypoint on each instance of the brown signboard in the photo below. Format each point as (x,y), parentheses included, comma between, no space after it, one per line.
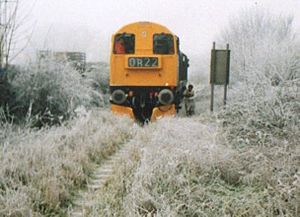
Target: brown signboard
(219,68)
(219,71)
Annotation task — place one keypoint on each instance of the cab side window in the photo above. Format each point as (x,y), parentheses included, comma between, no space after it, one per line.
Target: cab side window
(163,44)
(124,43)
(177,44)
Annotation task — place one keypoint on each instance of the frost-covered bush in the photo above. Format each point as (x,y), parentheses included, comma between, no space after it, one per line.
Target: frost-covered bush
(42,169)
(4,93)
(7,97)
(48,92)
(99,74)
(264,95)
(263,46)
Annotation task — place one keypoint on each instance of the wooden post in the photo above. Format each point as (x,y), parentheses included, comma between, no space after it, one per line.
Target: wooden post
(212,97)
(212,78)
(225,94)
(227,76)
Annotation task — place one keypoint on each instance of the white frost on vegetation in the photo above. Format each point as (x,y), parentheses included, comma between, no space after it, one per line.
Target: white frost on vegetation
(170,147)
(41,168)
(48,92)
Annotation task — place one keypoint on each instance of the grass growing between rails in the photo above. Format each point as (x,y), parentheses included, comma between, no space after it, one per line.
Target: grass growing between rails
(187,168)
(41,169)
(110,199)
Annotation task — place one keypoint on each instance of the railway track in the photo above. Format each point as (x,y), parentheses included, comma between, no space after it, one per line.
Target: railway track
(86,198)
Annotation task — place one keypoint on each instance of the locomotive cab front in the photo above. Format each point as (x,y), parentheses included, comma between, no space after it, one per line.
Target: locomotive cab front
(148,72)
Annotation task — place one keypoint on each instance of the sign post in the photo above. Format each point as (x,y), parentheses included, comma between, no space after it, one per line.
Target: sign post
(219,71)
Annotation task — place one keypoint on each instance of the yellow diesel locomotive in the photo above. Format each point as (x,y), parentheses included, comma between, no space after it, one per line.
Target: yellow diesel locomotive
(148,72)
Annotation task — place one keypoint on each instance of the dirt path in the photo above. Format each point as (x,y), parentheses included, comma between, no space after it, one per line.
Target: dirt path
(86,198)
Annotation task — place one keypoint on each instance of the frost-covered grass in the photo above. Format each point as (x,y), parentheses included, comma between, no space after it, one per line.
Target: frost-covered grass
(240,161)
(41,169)
(186,168)
(109,200)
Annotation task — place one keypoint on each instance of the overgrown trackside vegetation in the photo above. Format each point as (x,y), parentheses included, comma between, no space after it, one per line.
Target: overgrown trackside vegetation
(110,199)
(186,169)
(243,161)
(47,93)
(41,169)
(266,74)
(99,74)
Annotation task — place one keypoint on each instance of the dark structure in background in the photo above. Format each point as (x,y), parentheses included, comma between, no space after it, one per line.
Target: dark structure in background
(76,59)
(219,71)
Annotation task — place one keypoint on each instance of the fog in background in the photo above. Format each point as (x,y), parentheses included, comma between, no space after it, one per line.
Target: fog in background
(87,25)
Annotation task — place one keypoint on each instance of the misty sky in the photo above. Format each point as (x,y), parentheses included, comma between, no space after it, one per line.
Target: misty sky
(87,25)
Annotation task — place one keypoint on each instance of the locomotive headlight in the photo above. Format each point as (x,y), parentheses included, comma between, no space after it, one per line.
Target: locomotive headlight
(118,96)
(165,97)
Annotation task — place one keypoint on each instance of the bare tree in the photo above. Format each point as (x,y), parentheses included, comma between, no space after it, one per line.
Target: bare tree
(8,26)
(263,45)
(15,33)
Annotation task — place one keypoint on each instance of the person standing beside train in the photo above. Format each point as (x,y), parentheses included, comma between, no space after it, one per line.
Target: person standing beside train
(189,102)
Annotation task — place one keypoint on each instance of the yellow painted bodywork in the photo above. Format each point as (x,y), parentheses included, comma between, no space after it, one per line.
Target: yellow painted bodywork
(164,75)
(122,110)
(159,112)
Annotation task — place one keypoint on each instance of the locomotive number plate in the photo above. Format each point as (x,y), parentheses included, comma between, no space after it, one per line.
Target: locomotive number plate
(143,62)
